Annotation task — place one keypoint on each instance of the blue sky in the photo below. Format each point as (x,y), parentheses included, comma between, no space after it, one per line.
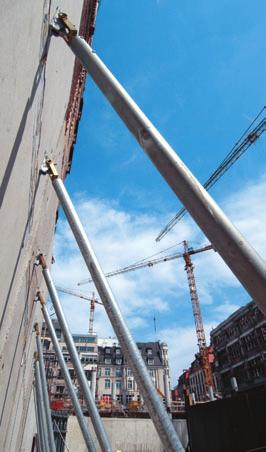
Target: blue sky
(198,72)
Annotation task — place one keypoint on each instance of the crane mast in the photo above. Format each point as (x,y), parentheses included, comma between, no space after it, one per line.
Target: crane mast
(92,309)
(92,301)
(188,252)
(194,298)
(201,338)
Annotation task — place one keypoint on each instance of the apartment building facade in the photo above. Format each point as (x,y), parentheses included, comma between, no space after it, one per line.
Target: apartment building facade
(115,381)
(87,348)
(109,375)
(193,380)
(239,345)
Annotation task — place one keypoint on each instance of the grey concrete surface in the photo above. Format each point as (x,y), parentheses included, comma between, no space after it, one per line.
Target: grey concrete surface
(126,435)
(34,97)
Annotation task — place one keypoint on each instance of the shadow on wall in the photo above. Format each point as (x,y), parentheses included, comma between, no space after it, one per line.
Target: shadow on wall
(20,132)
(31,211)
(26,321)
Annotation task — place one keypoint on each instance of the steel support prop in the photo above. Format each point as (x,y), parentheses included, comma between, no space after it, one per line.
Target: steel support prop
(84,427)
(40,404)
(166,389)
(84,386)
(47,409)
(155,407)
(93,382)
(40,437)
(238,254)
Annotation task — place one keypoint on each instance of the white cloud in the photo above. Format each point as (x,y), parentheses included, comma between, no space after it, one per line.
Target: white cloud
(120,238)
(247,208)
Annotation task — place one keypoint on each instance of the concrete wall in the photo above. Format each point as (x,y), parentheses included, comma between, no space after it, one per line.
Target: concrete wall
(34,98)
(126,435)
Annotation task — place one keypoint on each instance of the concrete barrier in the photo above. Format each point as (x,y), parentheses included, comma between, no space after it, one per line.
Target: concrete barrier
(126,435)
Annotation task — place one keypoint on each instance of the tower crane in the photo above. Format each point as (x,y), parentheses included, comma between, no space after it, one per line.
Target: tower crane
(200,333)
(203,349)
(149,263)
(239,148)
(91,299)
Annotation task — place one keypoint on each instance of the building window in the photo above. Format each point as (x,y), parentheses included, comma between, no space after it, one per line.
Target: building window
(107,384)
(149,351)
(107,360)
(118,372)
(118,351)
(84,339)
(83,348)
(107,350)
(151,373)
(58,333)
(60,389)
(118,361)
(150,361)
(129,397)
(46,344)
(107,371)
(99,371)
(129,373)
(71,373)
(129,384)
(49,373)
(119,398)
(118,384)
